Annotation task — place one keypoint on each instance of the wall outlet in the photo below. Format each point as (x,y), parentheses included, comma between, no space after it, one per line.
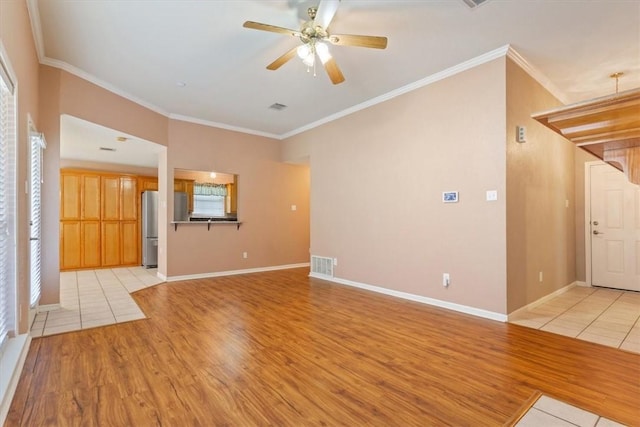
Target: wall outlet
(335,262)
(446,280)
(540,277)
(245,255)
(294,208)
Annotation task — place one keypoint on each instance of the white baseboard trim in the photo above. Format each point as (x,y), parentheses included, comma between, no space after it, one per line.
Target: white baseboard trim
(418,298)
(48,307)
(542,300)
(11,364)
(235,272)
(583,284)
(161,277)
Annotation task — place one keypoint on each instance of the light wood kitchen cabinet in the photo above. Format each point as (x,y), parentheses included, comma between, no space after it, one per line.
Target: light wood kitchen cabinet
(90,244)
(70,247)
(147,183)
(128,199)
(130,242)
(110,243)
(90,197)
(99,224)
(70,185)
(110,198)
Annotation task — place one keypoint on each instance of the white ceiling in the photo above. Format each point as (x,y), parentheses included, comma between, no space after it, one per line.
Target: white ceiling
(142,48)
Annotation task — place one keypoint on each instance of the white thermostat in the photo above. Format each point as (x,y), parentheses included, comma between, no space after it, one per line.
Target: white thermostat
(450,196)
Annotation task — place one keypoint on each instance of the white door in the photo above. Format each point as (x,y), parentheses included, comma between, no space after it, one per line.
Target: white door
(35,220)
(614,229)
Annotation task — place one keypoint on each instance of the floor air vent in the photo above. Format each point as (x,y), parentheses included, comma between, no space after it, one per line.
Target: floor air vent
(321,266)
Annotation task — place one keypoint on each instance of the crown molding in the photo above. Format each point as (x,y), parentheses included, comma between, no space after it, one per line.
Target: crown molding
(223,126)
(451,71)
(536,74)
(507,50)
(36,27)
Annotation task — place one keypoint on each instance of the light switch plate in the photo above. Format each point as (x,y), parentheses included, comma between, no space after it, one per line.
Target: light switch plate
(492,196)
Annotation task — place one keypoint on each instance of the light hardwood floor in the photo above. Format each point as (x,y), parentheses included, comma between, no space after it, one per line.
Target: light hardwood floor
(281,349)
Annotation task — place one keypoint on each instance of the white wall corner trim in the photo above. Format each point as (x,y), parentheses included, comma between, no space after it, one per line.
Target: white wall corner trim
(542,300)
(536,74)
(161,276)
(11,364)
(478,312)
(235,272)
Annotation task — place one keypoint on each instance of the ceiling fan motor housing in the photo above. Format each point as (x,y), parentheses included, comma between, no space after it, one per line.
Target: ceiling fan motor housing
(309,32)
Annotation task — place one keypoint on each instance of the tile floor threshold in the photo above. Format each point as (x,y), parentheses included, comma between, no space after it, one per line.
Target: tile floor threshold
(92,298)
(605,316)
(547,411)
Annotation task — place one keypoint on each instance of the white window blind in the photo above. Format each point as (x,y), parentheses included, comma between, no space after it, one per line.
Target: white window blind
(7,205)
(208,205)
(37,147)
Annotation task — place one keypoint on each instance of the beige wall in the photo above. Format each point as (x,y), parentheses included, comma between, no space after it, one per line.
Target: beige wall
(540,181)
(271,233)
(15,33)
(377,178)
(64,93)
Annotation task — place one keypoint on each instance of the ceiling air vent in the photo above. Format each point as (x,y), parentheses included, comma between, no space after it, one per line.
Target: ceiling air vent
(107,149)
(277,106)
(474,3)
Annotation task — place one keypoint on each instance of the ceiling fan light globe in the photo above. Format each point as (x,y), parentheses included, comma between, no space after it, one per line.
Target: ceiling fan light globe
(309,60)
(303,51)
(323,52)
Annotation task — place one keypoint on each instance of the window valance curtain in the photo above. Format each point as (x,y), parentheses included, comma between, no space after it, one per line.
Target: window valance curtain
(208,189)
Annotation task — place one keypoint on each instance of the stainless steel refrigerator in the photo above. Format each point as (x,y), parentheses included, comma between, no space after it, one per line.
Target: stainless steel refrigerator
(150,229)
(180,206)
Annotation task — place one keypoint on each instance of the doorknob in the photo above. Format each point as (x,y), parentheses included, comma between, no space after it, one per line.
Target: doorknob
(596,232)
(595,222)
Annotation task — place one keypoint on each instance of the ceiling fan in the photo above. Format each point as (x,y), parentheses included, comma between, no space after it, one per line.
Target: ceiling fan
(314,35)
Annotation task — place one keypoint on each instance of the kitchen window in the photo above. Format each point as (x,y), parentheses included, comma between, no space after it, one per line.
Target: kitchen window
(208,205)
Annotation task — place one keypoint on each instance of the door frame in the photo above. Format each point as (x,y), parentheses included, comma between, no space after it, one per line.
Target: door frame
(587,218)
(31,131)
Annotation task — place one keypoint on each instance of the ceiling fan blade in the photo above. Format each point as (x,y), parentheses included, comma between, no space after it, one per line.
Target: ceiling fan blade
(326,11)
(270,28)
(375,42)
(282,60)
(331,67)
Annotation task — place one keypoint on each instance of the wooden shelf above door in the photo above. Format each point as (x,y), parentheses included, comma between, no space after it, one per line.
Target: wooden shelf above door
(608,127)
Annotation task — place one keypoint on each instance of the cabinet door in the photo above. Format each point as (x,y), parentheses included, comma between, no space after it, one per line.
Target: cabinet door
(189,188)
(110,198)
(70,245)
(90,244)
(110,243)
(128,199)
(130,242)
(70,196)
(179,185)
(148,183)
(90,197)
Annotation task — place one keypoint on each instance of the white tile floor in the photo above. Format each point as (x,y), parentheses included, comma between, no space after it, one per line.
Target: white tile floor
(606,316)
(91,298)
(550,412)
